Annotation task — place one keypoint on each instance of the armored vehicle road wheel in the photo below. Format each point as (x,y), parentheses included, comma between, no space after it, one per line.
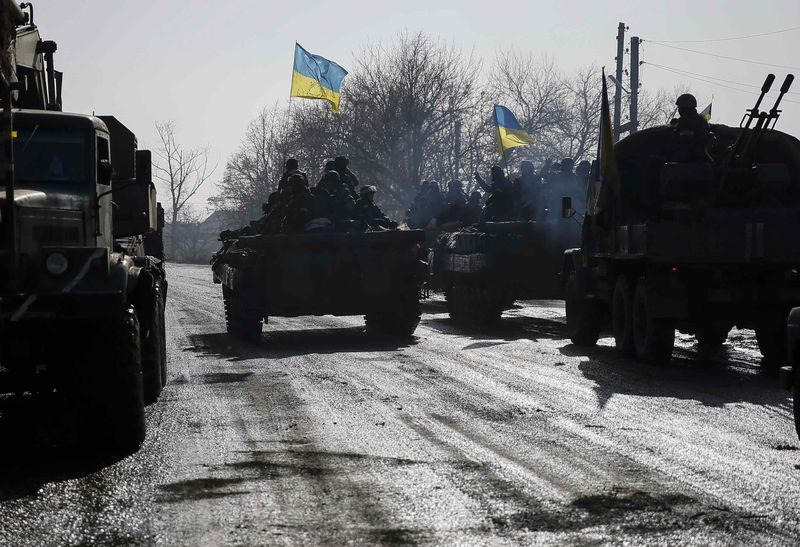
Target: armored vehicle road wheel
(712,335)
(152,353)
(622,317)
(654,337)
(771,337)
(111,388)
(583,324)
(401,321)
(242,319)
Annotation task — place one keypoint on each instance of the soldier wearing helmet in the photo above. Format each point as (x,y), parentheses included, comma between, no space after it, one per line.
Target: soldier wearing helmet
(691,132)
(370,214)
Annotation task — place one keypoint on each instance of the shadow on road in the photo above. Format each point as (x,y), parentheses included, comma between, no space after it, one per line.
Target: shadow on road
(293,343)
(508,329)
(709,378)
(38,446)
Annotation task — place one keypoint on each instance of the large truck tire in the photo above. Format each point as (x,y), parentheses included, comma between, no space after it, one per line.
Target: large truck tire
(771,336)
(583,322)
(152,354)
(711,335)
(796,399)
(242,319)
(400,322)
(111,389)
(622,317)
(654,337)
(164,366)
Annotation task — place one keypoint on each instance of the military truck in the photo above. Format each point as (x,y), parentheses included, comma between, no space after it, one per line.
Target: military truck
(484,269)
(790,374)
(78,314)
(375,274)
(699,247)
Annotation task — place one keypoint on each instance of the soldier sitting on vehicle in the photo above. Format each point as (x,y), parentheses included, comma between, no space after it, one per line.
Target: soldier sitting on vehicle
(348,178)
(370,214)
(455,205)
(472,212)
(300,205)
(333,199)
(500,204)
(527,190)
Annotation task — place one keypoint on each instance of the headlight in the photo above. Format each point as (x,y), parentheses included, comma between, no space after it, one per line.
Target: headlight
(56,263)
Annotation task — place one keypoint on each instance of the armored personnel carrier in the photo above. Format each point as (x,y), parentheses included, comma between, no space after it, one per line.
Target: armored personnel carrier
(484,269)
(78,314)
(699,247)
(375,274)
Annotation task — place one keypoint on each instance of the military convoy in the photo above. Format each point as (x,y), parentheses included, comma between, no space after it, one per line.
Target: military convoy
(699,247)
(375,274)
(79,315)
(484,269)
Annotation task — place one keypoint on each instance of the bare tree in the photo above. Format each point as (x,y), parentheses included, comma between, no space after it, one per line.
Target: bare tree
(183,170)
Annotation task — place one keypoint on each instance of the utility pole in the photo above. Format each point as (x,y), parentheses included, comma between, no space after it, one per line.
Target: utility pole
(634,117)
(618,74)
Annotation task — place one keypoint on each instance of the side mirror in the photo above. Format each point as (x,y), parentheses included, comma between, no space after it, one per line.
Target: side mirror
(104,172)
(566,207)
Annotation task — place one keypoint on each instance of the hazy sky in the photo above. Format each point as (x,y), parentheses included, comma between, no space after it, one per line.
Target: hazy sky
(211,66)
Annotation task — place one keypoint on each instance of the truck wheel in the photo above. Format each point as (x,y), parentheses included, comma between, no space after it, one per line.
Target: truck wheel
(401,322)
(111,387)
(654,338)
(796,400)
(622,317)
(583,324)
(242,319)
(152,358)
(163,349)
(771,337)
(711,335)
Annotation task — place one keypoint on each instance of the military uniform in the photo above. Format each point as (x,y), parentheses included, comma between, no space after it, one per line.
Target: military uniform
(370,214)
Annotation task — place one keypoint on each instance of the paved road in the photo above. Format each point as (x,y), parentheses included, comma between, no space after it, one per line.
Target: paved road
(320,434)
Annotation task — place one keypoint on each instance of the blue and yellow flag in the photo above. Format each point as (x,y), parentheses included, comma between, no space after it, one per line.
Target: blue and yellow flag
(706,113)
(315,77)
(509,132)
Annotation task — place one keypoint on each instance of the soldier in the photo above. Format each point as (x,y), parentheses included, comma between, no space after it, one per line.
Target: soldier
(369,213)
(500,204)
(691,132)
(333,199)
(289,167)
(528,193)
(472,213)
(415,213)
(299,209)
(455,203)
(347,177)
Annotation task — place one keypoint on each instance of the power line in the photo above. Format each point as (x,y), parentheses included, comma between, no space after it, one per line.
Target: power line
(686,72)
(711,82)
(722,56)
(790,29)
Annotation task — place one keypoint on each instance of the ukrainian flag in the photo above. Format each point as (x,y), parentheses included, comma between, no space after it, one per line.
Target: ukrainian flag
(706,113)
(315,77)
(509,132)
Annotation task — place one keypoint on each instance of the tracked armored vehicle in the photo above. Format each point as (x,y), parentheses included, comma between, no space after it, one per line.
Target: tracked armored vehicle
(484,269)
(699,247)
(78,314)
(375,274)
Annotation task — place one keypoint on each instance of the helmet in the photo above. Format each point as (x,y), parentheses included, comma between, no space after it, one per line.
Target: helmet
(367,190)
(686,100)
(291,164)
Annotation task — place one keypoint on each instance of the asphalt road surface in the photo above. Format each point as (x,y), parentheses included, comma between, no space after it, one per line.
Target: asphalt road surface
(322,434)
